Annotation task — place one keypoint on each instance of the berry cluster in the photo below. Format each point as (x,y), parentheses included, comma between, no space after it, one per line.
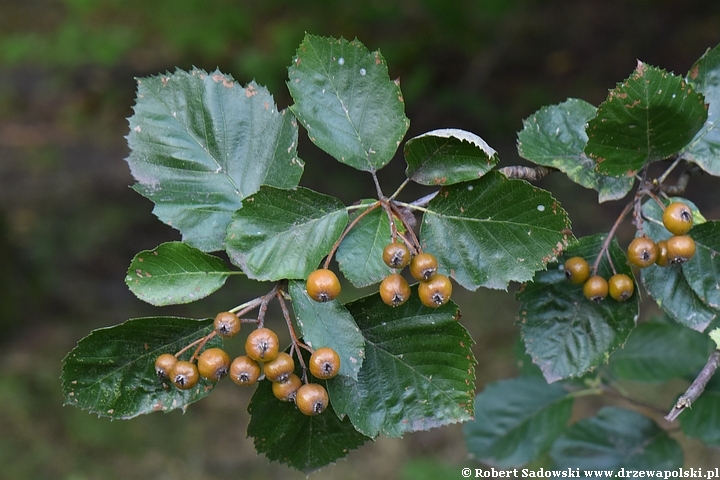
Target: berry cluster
(322,285)
(642,252)
(434,289)
(679,248)
(595,287)
(262,355)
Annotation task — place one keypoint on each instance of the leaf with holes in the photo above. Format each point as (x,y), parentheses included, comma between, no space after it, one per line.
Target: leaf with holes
(650,116)
(492,231)
(174,273)
(555,137)
(346,101)
(418,371)
(200,143)
(111,372)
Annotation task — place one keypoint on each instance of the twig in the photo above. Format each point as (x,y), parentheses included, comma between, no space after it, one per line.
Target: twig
(188,347)
(377,185)
(409,225)
(676,162)
(202,344)
(682,181)
(241,310)
(610,236)
(531,174)
(296,344)
(399,189)
(264,305)
(696,388)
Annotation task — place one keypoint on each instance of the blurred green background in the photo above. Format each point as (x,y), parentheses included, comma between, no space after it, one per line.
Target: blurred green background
(69,224)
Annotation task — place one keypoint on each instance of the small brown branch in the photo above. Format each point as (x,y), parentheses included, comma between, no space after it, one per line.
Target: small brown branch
(189,346)
(611,234)
(241,310)
(696,388)
(377,184)
(405,217)
(682,181)
(202,344)
(642,190)
(296,343)
(264,305)
(531,174)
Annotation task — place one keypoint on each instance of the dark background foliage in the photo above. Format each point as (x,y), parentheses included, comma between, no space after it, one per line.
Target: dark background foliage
(69,224)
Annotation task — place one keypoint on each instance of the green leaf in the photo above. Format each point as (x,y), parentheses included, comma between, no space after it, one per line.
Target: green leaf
(555,137)
(670,286)
(670,289)
(704,76)
(347,102)
(173,273)
(200,143)
(418,371)
(516,421)
(661,351)
(111,372)
(613,439)
(282,234)
(650,116)
(565,333)
(703,270)
(329,324)
(492,231)
(360,253)
(444,157)
(303,442)
(702,421)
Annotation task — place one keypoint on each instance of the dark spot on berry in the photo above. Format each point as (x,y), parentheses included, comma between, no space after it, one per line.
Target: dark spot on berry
(318,407)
